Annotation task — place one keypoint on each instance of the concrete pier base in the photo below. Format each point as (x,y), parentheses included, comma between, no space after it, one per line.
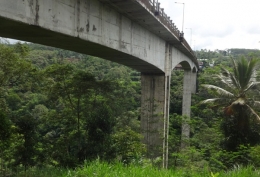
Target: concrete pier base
(154,121)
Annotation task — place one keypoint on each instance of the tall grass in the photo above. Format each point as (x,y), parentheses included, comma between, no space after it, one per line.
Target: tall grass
(103,169)
(238,171)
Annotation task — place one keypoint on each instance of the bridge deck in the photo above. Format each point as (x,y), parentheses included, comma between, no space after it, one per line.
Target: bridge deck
(23,25)
(159,24)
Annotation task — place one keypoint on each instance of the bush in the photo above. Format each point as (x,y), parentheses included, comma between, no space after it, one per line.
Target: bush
(255,155)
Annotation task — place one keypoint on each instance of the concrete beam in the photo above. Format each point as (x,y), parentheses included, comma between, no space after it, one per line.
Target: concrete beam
(84,26)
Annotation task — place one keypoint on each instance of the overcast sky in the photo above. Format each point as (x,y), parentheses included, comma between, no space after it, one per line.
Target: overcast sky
(217,24)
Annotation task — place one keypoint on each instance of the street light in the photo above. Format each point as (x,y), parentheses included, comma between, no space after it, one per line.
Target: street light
(190,34)
(183,13)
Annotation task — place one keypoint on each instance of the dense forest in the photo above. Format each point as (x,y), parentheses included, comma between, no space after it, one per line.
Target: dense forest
(60,109)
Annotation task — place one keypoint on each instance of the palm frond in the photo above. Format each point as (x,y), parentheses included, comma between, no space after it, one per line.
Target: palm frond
(225,72)
(252,84)
(246,69)
(243,72)
(234,67)
(235,82)
(253,112)
(225,80)
(212,100)
(254,64)
(215,102)
(220,91)
(232,77)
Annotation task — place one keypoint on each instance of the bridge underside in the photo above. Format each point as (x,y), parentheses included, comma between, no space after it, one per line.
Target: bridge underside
(20,31)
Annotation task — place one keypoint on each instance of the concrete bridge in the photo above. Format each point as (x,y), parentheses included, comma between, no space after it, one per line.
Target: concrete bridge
(135,33)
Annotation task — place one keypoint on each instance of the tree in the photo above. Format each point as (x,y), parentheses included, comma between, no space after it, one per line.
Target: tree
(13,68)
(238,103)
(60,108)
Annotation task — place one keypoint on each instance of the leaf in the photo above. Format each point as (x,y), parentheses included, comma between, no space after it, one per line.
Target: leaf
(251,85)
(209,100)
(253,112)
(214,175)
(219,90)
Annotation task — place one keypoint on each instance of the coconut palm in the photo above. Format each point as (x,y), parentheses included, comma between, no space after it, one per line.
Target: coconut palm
(238,105)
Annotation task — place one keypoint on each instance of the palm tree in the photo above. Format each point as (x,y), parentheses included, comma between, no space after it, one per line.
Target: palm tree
(237,104)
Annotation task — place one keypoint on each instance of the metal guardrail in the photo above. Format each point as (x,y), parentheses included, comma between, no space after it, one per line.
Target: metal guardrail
(154,7)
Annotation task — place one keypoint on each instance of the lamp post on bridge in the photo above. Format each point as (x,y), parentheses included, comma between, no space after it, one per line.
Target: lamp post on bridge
(182,34)
(182,14)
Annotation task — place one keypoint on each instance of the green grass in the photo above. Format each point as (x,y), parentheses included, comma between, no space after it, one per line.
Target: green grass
(102,169)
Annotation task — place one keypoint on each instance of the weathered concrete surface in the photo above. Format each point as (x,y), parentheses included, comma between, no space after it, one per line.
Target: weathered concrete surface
(155,101)
(85,26)
(167,83)
(91,27)
(179,58)
(153,107)
(189,87)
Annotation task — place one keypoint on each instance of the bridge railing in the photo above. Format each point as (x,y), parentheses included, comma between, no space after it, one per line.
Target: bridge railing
(154,6)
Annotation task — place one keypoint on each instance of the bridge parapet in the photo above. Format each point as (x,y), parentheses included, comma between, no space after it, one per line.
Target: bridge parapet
(154,6)
(154,19)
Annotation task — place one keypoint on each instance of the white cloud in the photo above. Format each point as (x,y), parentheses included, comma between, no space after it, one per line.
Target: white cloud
(217,24)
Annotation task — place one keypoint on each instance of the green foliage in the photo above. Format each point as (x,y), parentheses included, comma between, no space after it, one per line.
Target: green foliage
(25,152)
(128,145)
(60,108)
(254,154)
(5,126)
(176,92)
(100,169)
(64,112)
(12,68)
(244,52)
(237,103)
(208,141)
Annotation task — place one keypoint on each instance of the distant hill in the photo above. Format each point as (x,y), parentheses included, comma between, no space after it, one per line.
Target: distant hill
(222,54)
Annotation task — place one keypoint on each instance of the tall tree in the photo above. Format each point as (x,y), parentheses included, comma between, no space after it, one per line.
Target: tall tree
(238,102)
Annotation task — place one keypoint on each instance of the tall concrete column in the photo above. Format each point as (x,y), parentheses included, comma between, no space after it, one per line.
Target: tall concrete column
(155,97)
(168,70)
(152,115)
(194,82)
(189,86)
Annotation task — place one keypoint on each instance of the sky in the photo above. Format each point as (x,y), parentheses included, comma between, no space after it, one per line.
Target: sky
(217,24)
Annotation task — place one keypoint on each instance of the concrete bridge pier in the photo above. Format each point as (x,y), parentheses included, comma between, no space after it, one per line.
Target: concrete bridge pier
(189,87)
(155,100)
(155,113)
(154,120)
